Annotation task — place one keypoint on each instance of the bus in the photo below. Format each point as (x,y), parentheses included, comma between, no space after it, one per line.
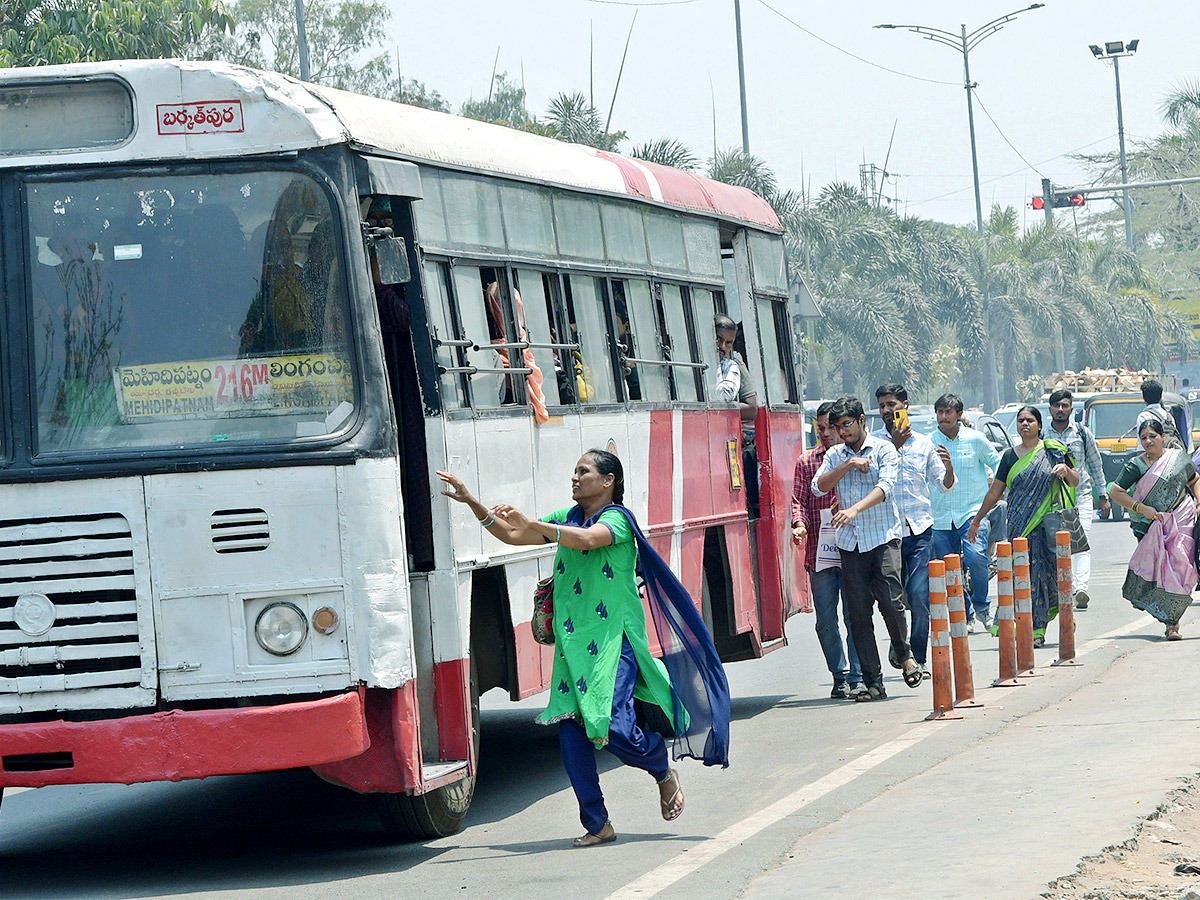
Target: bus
(247,319)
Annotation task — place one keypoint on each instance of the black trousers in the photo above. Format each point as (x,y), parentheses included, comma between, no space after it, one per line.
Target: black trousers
(871,577)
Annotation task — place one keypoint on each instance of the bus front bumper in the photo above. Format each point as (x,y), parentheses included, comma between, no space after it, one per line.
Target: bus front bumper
(175,745)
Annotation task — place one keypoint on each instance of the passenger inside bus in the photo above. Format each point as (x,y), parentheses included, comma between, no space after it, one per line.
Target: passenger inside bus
(626,345)
(281,316)
(734,385)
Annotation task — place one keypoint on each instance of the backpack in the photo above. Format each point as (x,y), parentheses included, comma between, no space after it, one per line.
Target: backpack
(1170,429)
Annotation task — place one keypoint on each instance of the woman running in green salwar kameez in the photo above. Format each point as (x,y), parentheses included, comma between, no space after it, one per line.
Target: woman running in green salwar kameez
(602,659)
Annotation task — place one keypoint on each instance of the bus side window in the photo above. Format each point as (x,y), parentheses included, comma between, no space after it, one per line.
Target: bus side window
(647,341)
(679,338)
(442,321)
(484,307)
(626,346)
(538,309)
(776,350)
(587,326)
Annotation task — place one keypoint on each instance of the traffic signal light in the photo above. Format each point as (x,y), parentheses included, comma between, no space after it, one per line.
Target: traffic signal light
(1039,203)
(1068,200)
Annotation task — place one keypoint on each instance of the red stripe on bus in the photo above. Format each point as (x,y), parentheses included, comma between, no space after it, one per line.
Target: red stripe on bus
(452,688)
(661,469)
(176,745)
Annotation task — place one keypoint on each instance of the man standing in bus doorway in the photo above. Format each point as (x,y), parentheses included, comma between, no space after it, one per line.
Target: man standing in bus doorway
(734,385)
(1082,444)
(921,466)
(826,581)
(864,471)
(973,459)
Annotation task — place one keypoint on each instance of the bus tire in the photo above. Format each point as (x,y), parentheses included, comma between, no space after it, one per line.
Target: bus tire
(438,813)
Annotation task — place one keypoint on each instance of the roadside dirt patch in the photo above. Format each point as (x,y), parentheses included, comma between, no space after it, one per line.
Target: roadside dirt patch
(1143,867)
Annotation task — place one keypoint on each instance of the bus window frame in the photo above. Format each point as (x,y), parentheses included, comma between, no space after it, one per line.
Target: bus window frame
(264,451)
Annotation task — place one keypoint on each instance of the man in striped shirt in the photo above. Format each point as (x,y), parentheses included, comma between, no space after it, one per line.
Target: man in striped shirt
(922,467)
(864,471)
(826,583)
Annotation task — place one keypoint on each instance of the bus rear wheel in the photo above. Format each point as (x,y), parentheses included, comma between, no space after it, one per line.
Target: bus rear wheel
(440,812)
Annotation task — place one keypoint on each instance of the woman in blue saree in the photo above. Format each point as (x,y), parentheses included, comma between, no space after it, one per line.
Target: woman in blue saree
(1031,473)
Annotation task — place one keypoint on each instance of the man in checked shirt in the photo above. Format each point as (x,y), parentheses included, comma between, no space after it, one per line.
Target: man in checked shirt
(864,471)
(826,583)
(922,467)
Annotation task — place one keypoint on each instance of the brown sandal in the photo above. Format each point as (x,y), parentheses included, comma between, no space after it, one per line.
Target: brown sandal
(671,804)
(607,835)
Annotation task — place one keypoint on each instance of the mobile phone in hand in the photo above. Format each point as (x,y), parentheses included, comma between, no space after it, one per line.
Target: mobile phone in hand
(900,419)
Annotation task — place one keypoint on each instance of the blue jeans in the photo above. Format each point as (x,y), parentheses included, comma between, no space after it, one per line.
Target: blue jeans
(954,540)
(914,557)
(826,589)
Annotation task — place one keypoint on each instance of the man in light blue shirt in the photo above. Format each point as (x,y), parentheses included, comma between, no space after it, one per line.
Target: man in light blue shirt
(864,471)
(920,467)
(974,460)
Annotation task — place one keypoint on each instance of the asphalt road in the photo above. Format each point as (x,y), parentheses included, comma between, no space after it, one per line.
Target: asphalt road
(800,763)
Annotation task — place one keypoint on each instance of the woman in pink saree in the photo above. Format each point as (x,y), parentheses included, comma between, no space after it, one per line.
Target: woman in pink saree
(1162,512)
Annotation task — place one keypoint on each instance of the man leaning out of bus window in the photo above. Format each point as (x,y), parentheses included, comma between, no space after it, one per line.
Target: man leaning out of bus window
(734,384)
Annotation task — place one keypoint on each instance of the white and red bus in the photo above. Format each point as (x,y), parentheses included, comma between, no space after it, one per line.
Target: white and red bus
(222,549)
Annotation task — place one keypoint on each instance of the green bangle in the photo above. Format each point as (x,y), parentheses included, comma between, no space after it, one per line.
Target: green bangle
(491,521)
(557,534)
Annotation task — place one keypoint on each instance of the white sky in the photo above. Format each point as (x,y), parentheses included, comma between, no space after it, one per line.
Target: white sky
(815,113)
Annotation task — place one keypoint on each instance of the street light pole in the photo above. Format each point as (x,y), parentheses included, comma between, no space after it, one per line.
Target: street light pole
(737,21)
(971,126)
(302,41)
(964,43)
(1124,168)
(1114,50)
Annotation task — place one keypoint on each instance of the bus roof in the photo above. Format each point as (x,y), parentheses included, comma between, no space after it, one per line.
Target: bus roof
(204,110)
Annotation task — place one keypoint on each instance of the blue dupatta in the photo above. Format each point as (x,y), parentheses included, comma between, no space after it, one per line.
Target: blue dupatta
(699,688)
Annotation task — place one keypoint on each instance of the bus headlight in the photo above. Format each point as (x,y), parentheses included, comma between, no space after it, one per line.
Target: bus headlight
(281,628)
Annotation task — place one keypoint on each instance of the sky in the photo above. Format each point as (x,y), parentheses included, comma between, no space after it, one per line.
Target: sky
(820,97)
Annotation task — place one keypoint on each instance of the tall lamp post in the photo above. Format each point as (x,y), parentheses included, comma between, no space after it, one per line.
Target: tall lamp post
(1114,50)
(964,43)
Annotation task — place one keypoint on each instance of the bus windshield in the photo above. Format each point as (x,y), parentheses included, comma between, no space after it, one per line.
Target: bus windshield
(182,310)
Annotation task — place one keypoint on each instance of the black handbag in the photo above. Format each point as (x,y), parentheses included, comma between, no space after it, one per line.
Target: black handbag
(1068,520)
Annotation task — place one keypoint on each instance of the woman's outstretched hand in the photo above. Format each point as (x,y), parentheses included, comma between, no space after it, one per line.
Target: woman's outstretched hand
(458,490)
(513,516)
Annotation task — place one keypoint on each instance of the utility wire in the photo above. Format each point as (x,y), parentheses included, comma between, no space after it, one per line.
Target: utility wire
(1000,131)
(633,3)
(1015,171)
(861,59)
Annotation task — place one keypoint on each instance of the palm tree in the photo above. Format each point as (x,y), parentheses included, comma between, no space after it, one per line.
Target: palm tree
(572,118)
(667,152)
(734,166)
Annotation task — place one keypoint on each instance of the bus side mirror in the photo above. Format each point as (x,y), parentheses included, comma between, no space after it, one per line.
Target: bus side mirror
(392,256)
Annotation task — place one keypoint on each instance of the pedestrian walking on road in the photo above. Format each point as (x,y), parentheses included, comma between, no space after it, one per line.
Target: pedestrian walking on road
(864,471)
(824,580)
(1079,440)
(602,658)
(1162,513)
(973,459)
(923,467)
(1031,473)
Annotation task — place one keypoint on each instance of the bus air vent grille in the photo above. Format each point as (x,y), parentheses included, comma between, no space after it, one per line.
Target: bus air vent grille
(72,580)
(240,530)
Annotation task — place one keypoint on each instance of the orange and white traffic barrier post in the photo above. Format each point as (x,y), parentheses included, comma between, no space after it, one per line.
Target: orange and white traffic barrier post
(939,642)
(1005,618)
(1066,601)
(1023,599)
(964,681)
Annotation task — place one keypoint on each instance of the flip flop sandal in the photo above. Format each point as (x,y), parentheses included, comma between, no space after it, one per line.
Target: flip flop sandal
(913,677)
(672,806)
(606,836)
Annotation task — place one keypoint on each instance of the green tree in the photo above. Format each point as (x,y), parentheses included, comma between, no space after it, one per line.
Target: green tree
(571,118)
(415,93)
(49,32)
(667,152)
(342,34)
(733,166)
(505,104)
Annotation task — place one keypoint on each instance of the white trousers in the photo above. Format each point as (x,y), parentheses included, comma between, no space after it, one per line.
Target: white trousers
(1081,563)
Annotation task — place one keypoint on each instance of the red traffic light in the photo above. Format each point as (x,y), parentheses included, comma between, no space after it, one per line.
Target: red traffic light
(1076,199)
(1061,200)
(1039,203)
